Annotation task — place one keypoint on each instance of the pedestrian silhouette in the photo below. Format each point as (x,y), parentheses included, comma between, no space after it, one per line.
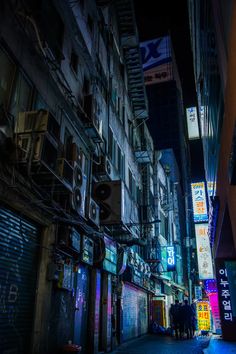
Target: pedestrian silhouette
(175,318)
(187,315)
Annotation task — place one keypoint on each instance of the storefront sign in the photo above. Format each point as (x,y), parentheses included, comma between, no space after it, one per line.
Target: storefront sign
(224,292)
(214,303)
(204,258)
(211,188)
(203,316)
(122,261)
(110,260)
(199,202)
(231,273)
(157,61)
(156,52)
(192,123)
(210,286)
(198,292)
(87,250)
(213,217)
(171,262)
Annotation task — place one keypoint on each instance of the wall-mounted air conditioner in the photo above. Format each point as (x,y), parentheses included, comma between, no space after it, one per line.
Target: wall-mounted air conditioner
(65,171)
(91,119)
(93,212)
(79,190)
(37,148)
(103,170)
(78,156)
(110,198)
(41,121)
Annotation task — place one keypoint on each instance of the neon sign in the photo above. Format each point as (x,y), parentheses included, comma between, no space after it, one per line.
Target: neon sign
(199,202)
(170,250)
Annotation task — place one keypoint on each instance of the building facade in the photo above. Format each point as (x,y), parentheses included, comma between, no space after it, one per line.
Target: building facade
(212,26)
(74,151)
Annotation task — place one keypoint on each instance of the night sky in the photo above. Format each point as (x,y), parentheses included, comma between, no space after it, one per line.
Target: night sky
(171,17)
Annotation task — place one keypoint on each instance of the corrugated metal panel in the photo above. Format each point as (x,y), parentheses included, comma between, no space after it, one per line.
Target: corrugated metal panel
(135,312)
(18,271)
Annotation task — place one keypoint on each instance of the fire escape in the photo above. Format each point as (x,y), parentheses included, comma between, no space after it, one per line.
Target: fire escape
(130,44)
(143,145)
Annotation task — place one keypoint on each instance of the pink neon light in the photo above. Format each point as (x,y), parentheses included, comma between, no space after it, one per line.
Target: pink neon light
(213,298)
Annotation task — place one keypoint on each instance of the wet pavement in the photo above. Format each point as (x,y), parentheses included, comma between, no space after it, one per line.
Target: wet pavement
(156,344)
(218,345)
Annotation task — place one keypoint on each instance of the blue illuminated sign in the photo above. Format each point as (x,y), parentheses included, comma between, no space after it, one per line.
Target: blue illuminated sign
(171,263)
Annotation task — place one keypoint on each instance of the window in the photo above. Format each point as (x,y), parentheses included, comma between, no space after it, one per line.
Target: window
(86,87)
(130,132)
(21,95)
(130,181)
(133,188)
(119,166)
(110,142)
(53,28)
(123,116)
(7,72)
(74,61)
(68,140)
(122,175)
(90,23)
(163,225)
(39,102)
(114,152)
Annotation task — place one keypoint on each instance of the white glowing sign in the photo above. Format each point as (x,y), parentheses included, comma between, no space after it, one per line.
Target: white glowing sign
(192,123)
(170,250)
(199,202)
(204,258)
(211,187)
(224,292)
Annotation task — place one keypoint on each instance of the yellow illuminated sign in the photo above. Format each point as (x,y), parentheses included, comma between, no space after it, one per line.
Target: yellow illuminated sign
(203,316)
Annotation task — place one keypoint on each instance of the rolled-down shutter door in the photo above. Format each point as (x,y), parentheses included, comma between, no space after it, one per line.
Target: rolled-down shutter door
(135,312)
(19,241)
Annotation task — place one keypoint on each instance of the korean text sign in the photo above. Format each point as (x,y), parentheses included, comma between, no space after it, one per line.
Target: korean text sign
(204,257)
(199,202)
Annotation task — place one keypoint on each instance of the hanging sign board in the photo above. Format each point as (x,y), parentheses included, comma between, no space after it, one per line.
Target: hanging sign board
(205,267)
(199,202)
(203,316)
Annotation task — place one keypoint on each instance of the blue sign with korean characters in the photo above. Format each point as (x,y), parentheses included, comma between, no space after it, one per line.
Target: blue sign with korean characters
(171,260)
(200,213)
(228,320)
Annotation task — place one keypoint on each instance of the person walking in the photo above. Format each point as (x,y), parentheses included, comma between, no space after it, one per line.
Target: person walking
(175,317)
(187,314)
(194,319)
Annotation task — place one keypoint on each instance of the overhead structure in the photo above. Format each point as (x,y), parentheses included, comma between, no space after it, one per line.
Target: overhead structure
(130,44)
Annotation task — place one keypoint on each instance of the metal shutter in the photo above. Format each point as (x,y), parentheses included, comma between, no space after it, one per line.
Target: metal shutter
(18,271)
(135,312)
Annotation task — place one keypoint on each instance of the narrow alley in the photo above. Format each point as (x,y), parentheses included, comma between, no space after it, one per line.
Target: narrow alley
(117,177)
(153,344)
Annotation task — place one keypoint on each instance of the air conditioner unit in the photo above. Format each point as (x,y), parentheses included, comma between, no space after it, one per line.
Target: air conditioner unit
(37,148)
(110,198)
(93,212)
(41,121)
(65,171)
(92,122)
(103,170)
(69,238)
(78,156)
(79,190)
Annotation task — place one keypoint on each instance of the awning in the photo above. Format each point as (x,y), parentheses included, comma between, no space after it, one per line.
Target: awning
(179,287)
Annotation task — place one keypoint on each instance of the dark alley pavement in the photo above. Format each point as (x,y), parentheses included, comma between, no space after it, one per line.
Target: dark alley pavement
(155,344)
